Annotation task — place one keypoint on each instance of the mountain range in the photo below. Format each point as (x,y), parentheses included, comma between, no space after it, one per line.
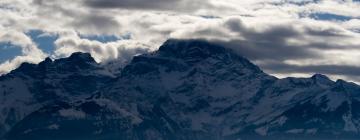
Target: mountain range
(186,90)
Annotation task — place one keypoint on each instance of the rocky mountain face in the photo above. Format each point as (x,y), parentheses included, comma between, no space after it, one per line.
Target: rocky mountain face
(187,90)
(31,87)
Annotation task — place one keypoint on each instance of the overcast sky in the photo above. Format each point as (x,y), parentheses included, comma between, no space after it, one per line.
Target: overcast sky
(283,37)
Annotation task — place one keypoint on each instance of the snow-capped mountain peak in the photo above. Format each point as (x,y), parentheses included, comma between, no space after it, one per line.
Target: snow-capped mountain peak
(187,90)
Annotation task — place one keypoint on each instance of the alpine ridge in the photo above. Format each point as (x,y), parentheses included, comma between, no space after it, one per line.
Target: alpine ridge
(187,90)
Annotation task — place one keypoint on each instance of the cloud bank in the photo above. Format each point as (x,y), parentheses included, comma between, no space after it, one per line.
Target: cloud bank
(284,37)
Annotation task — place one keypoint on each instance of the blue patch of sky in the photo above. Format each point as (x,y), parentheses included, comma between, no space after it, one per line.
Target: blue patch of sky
(6,7)
(8,51)
(106,38)
(295,2)
(44,41)
(329,17)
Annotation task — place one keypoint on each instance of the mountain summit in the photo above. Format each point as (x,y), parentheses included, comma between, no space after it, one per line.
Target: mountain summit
(187,90)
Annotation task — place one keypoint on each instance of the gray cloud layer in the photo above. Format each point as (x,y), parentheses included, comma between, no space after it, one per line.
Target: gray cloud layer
(278,35)
(178,5)
(328,69)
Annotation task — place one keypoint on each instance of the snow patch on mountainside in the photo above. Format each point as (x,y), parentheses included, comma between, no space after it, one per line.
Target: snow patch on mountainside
(72,113)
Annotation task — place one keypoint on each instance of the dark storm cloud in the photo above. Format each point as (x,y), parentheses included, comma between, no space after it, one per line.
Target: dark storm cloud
(276,36)
(325,33)
(179,5)
(270,44)
(88,20)
(138,4)
(259,51)
(96,22)
(323,69)
(270,47)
